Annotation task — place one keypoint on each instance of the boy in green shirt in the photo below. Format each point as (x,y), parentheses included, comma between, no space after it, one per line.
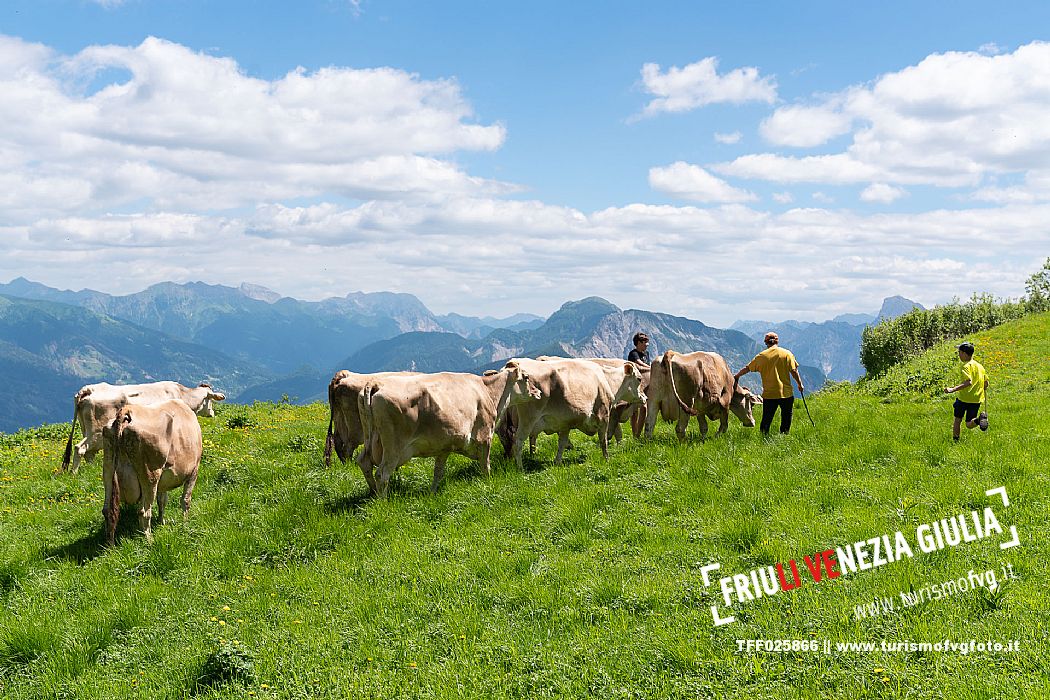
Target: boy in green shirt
(971,392)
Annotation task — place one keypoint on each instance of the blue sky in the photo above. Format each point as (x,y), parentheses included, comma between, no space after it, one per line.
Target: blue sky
(493,159)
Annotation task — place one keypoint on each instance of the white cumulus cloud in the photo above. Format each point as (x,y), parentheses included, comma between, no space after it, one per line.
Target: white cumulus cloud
(699,84)
(954,119)
(692,182)
(882,193)
(804,126)
(730,138)
(188,130)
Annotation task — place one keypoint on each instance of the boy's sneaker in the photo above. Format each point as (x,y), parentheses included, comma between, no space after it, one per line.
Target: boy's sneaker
(982,421)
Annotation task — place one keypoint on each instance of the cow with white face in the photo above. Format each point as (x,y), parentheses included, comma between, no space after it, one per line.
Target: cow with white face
(435,415)
(95,406)
(696,384)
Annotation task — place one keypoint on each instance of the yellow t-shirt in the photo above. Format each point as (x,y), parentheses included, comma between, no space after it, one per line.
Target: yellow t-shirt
(974,371)
(775,365)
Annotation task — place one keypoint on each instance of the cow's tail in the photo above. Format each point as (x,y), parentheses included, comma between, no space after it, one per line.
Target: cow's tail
(329,441)
(113,508)
(370,437)
(669,368)
(113,505)
(68,454)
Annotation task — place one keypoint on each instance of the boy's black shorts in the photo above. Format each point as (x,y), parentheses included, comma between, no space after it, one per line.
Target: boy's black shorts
(969,409)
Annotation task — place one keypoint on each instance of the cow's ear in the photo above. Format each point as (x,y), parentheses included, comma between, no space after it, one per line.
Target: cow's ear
(630,369)
(755,398)
(511,364)
(216,397)
(490,372)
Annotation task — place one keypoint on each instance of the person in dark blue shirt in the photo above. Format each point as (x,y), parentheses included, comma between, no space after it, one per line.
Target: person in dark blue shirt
(640,354)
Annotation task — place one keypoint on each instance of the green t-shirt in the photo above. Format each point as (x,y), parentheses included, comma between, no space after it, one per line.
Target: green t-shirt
(974,371)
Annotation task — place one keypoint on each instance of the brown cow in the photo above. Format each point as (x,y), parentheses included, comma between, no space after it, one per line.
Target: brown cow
(629,404)
(149,451)
(696,384)
(576,395)
(434,415)
(345,433)
(95,406)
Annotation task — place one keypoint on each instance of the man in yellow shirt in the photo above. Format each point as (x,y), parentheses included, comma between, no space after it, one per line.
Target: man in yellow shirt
(971,392)
(775,364)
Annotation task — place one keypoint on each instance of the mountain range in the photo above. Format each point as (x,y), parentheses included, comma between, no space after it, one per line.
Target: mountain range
(832,346)
(255,344)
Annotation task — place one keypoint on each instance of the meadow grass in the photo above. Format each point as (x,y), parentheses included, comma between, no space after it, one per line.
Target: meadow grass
(579,580)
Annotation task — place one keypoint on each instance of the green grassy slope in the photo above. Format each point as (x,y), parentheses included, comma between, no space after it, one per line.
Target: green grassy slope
(562,581)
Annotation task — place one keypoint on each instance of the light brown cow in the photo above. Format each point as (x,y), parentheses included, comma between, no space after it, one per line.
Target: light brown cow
(696,384)
(629,403)
(576,395)
(95,406)
(345,433)
(435,415)
(149,451)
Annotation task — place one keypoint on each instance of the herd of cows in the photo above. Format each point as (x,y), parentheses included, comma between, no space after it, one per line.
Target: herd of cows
(151,439)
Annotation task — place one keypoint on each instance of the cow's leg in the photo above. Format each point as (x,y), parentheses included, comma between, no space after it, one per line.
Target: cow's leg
(149,495)
(187,492)
(532,444)
(563,440)
(439,472)
(517,447)
(603,437)
(701,421)
(385,470)
(162,502)
(367,470)
(638,419)
(683,423)
(650,419)
(484,457)
(368,460)
(506,431)
(723,424)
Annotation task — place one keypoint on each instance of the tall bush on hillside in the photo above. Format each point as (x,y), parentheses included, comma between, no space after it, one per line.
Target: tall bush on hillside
(1037,290)
(894,340)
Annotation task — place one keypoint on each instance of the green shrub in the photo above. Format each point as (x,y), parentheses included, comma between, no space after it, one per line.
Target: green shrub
(892,341)
(241,420)
(1037,290)
(229,663)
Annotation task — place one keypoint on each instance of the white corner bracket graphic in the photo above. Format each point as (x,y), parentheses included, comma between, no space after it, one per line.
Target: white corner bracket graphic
(1015,538)
(719,621)
(705,571)
(1001,491)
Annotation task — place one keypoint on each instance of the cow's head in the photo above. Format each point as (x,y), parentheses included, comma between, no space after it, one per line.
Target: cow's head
(522,388)
(630,389)
(206,408)
(743,401)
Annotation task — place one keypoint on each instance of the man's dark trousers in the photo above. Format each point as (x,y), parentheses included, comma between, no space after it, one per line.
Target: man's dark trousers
(769,409)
